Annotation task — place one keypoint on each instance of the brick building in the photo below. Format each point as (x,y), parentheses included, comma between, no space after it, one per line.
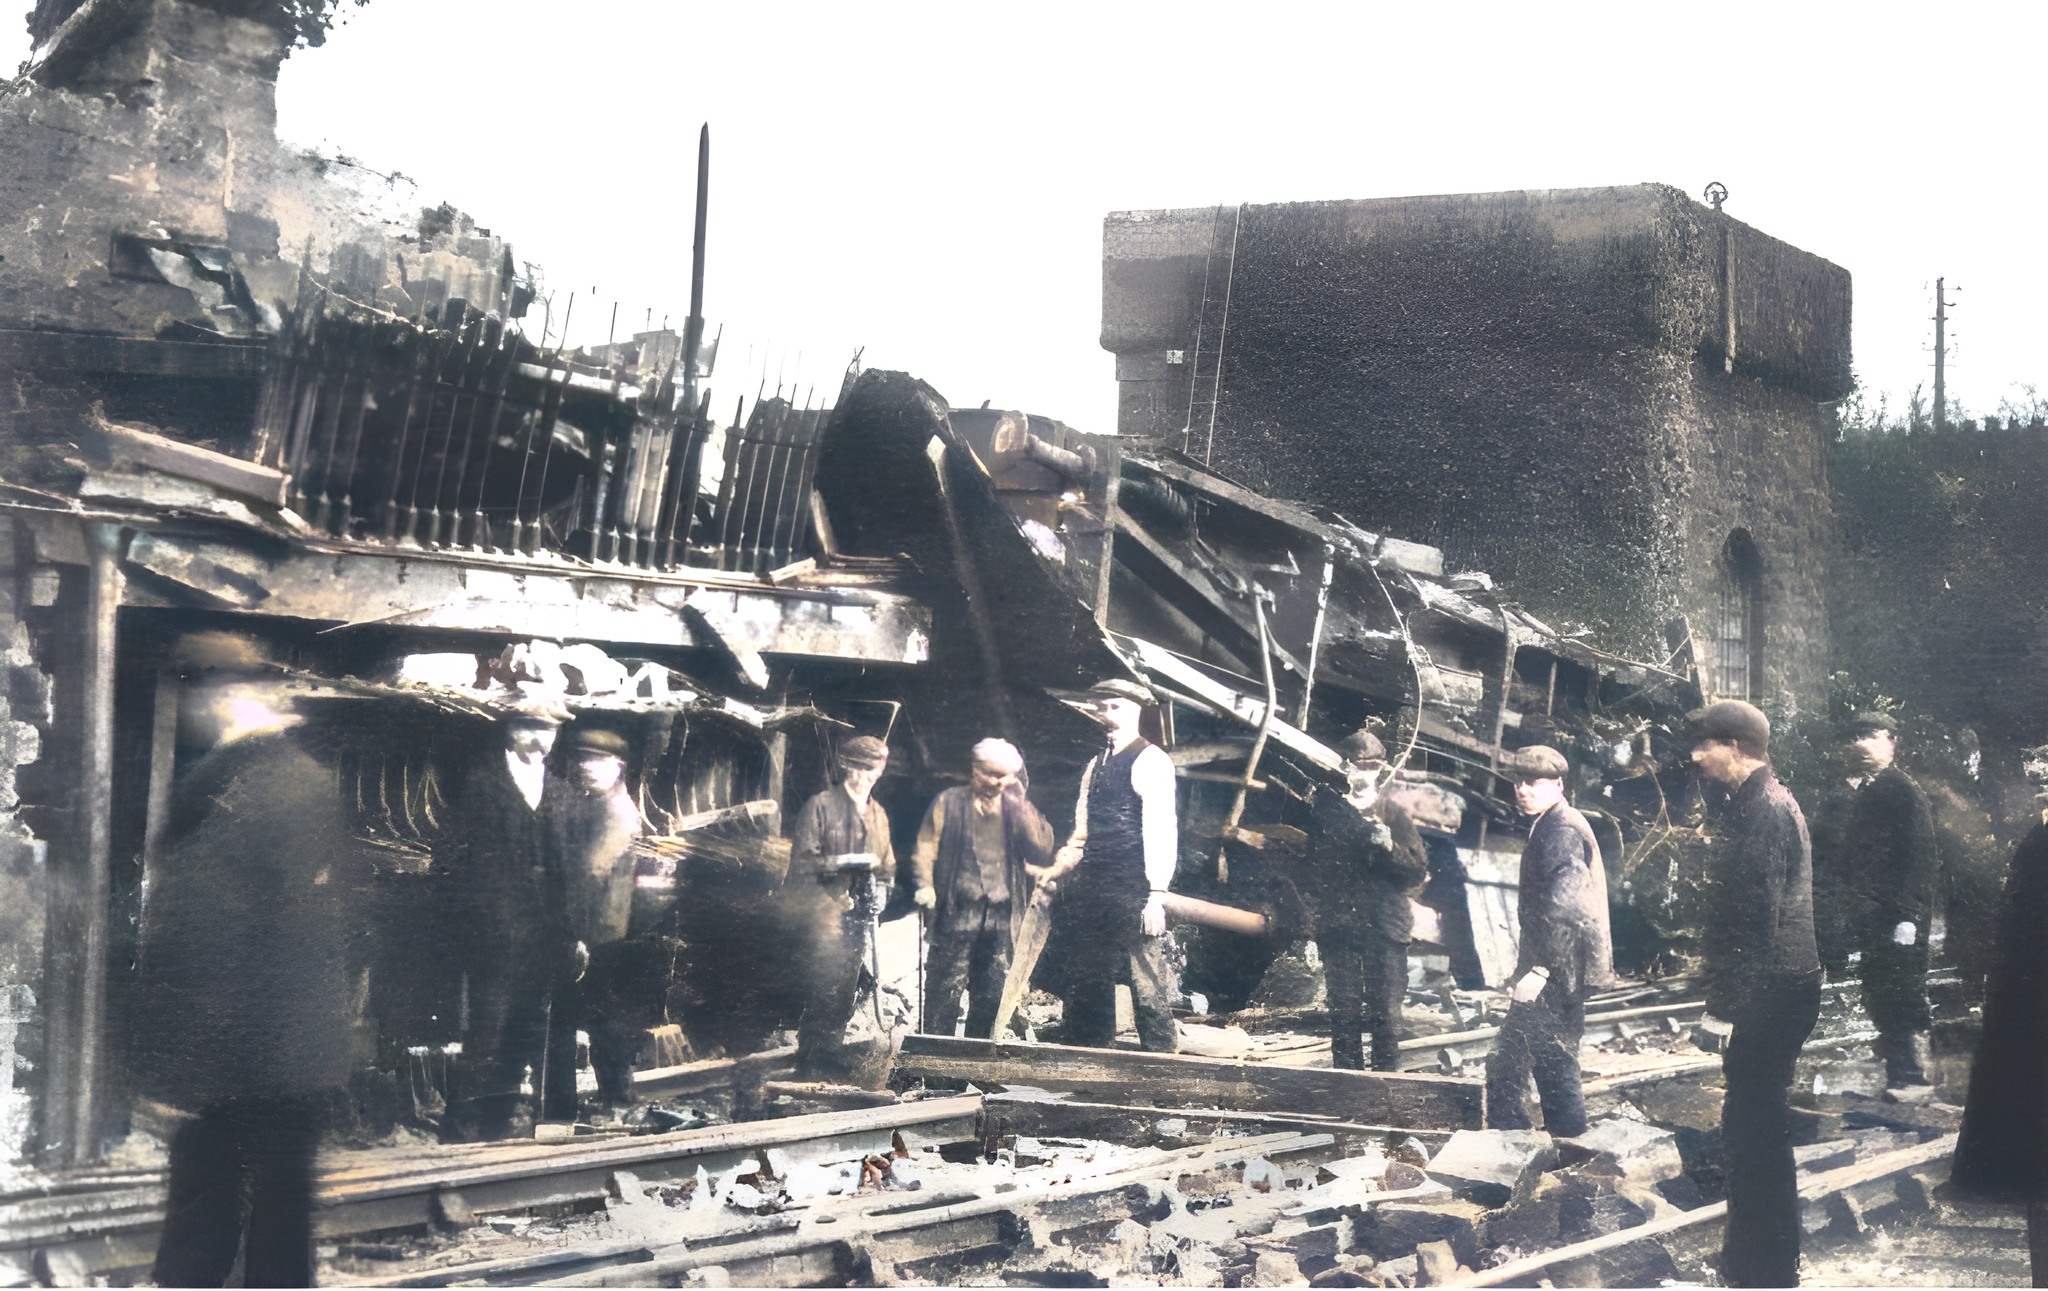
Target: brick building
(1615,400)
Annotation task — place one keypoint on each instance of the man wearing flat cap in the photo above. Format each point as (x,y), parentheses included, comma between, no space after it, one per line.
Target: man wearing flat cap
(1565,952)
(1763,975)
(593,823)
(1365,861)
(1113,874)
(1875,874)
(840,844)
(970,868)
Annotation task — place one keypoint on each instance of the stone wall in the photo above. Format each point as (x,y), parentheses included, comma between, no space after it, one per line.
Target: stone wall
(166,127)
(1535,382)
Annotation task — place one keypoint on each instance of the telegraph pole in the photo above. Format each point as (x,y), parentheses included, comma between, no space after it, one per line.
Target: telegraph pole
(1940,354)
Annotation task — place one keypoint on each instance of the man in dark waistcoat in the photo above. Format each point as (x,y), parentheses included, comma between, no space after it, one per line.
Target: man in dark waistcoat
(839,828)
(1565,951)
(1763,975)
(1365,861)
(1113,872)
(248,981)
(2002,1154)
(1874,858)
(970,868)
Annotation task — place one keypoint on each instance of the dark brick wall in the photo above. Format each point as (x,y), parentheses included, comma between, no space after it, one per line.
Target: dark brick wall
(1532,381)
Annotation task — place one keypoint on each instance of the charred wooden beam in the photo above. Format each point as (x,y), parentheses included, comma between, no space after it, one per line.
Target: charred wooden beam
(375,585)
(1115,1075)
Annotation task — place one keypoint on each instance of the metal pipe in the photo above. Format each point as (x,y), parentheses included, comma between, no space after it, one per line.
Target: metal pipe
(1187,909)
(1251,765)
(103,545)
(1315,641)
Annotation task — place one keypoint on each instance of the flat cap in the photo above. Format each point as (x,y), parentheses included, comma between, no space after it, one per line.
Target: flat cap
(864,753)
(1537,762)
(1743,725)
(1118,688)
(1362,746)
(595,739)
(1865,723)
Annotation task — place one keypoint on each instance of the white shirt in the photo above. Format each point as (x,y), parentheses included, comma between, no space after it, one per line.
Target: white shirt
(530,774)
(1152,779)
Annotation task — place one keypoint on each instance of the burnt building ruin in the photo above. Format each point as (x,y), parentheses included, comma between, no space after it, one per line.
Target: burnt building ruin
(273,434)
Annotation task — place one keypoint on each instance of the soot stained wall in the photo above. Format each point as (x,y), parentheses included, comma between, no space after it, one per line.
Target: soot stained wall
(1533,381)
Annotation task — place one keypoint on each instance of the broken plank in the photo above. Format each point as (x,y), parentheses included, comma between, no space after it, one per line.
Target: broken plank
(1113,1075)
(131,446)
(712,1073)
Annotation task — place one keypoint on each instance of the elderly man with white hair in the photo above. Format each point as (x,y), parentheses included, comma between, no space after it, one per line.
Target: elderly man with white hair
(969,868)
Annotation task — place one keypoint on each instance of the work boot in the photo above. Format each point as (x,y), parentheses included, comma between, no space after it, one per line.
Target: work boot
(1906,1057)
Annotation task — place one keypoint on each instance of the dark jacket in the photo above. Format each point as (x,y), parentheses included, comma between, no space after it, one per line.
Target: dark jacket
(1026,833)
(1759,927)
(590,844)
(251,945)
(2003,1151)
(1363,867)
(1874,853)
(831,825)
(1563,903)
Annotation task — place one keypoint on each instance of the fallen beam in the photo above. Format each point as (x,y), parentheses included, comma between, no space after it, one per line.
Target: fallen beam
(1121,1076)
(1019,1112)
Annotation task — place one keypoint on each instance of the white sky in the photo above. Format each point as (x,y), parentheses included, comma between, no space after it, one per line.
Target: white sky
(929,181)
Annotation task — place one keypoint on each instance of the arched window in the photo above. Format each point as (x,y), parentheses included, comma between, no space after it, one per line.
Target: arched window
(1735,657)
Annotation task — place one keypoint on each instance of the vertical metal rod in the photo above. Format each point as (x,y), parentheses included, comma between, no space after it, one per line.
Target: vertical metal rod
(682,484)
(489,333)
(551,408)
(373,336)
(1727,297)
(417,354)
(1315,641)
(103,545)
(1251,765)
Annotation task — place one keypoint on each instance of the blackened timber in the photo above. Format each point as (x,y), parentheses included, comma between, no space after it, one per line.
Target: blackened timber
(1188,591)
(339,583)
(1115,1075)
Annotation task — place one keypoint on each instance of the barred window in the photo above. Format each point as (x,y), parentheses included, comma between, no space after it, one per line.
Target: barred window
(1735,654)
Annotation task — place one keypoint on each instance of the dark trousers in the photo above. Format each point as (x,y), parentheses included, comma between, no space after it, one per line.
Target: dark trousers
(609,1004)
(1895,997)
(1762,1243)
(1365,977)
(1540,1038)
(242,1156)
(1104,945)
(836,965)
(970,951)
